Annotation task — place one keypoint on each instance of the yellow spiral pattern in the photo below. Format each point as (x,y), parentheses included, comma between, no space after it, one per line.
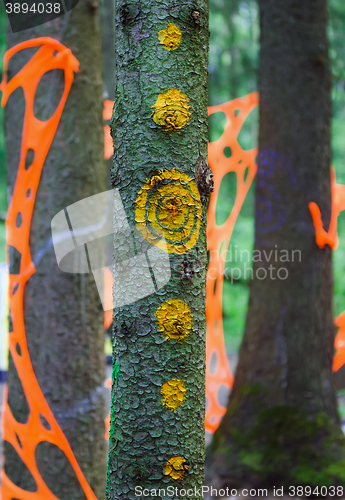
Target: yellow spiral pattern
(168,211)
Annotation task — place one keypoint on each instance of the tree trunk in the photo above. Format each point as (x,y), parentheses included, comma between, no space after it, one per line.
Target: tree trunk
(158,398)
(281,425)
(108,47)
(108,66)
(63,314)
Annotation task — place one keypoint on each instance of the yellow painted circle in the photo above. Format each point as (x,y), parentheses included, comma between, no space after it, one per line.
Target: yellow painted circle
(168,211)
(171,110)
(170,38)
(174,319)
(173,392)
(176,468)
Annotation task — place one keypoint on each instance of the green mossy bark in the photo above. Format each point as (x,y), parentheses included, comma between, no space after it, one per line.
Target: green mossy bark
(281,425)
(63,314)
(145,434)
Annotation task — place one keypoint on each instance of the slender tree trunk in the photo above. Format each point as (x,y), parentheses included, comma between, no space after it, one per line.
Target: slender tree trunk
(108,67)
(158,397)
(281,425)
(108,47)
(63,314)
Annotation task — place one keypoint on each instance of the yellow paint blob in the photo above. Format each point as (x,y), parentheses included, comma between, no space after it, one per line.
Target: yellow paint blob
(173,393)
(174,319)
(168,211)
(176,468)
(171,110)
(170,37)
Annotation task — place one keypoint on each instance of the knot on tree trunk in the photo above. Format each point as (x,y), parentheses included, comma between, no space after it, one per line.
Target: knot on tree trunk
(204,179)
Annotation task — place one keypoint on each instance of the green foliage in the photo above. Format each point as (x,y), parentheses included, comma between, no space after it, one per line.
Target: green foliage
(247,138)
(217,123)
(234,46)
(235,301)
(337,53)
(339,268)
(226,197)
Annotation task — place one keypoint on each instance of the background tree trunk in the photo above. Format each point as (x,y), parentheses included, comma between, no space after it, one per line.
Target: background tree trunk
(145,434)
(281,425)
(108,47)
(63,313)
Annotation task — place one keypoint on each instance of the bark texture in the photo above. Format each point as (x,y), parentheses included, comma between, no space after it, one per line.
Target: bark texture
(281,425)
(145,434)
(63,314)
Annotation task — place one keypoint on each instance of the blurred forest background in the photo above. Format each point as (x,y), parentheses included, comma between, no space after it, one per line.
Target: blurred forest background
(234,45)
(233,61)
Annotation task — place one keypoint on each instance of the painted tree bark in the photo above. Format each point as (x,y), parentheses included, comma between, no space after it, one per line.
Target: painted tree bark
(160,135)
(62,311)
(281,425)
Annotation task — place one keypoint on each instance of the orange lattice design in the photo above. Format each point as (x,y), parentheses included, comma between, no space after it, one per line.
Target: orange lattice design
(108,277)
(108,143)
(108,317)
(330,238)
(218,238)
(37,136)
(339,344)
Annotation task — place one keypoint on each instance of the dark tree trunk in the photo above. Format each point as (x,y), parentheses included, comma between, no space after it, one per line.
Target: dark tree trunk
(63,314)
(281,425)
(156,442)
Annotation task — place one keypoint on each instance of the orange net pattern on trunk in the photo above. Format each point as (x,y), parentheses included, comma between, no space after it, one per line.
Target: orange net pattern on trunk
(243,163)
(218,239)
(330,238)
(108,142)
(37,137)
